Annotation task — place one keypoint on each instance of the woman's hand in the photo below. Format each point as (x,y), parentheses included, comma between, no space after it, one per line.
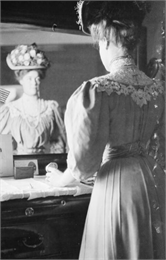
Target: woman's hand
(53,175)
(59,179)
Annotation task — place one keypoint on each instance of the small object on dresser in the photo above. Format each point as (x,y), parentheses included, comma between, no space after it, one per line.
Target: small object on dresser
(27,163)
(23,172)
(51,165)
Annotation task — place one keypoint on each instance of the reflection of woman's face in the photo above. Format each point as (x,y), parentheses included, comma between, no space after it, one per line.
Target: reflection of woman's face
(30,83)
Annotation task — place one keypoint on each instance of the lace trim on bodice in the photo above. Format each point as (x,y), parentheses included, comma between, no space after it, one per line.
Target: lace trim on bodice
(125,78)
(140,95)
(46,108)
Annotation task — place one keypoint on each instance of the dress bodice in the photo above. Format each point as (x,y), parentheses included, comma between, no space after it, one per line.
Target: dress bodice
(122,107)
(33,133)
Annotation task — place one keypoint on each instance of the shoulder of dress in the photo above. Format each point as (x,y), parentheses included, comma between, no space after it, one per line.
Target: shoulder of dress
(101,80)
(14,107)
(49,107)
(141,93)
(93,83)
(4,109)
(159,84)
(48,103)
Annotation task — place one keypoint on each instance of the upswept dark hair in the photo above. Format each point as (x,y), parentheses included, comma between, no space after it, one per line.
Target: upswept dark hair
(128,37)
(124,17)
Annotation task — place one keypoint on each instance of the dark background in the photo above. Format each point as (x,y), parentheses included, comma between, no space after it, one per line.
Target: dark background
(41,13)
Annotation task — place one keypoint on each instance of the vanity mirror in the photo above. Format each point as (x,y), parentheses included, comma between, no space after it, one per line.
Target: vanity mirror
(70,53)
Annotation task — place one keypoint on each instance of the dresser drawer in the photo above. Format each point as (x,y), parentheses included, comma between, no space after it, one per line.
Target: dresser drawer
(24,210)
(43,228)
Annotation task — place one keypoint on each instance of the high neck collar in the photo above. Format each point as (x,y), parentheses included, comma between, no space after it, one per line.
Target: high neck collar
(120,63)
(30,99)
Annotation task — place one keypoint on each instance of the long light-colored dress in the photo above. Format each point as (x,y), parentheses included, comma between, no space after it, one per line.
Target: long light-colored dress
(40,133)
(109,123)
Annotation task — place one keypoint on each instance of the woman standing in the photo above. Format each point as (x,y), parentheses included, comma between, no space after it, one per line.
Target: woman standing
(109,122)
(35,124)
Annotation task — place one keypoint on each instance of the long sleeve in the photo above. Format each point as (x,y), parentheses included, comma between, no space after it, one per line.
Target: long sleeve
(58,134)
(87,127)
(5,120)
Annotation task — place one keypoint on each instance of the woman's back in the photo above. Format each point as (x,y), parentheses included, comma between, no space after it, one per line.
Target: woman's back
(110,121)
(122,107)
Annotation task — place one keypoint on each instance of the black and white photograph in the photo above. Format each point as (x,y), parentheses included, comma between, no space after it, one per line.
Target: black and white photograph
(82,130)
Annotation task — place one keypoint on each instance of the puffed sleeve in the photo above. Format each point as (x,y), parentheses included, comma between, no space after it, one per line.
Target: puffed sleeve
(87,128)
(58,136)
(4,120)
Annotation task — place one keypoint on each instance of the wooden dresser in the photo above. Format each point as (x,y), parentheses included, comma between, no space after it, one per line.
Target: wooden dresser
(43,228)
(48,228)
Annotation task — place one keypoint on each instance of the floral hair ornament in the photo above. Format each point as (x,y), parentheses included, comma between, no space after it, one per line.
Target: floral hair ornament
(116,12)
(27,57)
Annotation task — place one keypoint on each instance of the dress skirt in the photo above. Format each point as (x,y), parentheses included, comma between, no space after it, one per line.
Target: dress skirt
(125,219)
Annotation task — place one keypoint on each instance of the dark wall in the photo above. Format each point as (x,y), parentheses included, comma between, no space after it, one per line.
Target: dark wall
(154,22)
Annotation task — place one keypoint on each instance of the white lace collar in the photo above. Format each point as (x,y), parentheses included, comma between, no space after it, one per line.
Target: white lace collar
(124,70)
(121,62)
(125,78)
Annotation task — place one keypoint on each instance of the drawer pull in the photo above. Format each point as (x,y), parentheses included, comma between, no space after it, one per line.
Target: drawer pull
(29,212)
(63,202)
(33,242)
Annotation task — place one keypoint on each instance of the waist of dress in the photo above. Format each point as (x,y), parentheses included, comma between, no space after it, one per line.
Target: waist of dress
(122,151)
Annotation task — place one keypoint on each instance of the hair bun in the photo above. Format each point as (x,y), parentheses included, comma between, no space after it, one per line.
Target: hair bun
(90,12)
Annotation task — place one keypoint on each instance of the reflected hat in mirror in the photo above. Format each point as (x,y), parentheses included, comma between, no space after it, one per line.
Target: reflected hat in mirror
(25,57)
(119,12)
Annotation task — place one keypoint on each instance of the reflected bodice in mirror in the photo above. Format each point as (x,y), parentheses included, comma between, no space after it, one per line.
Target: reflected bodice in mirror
(38,132)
